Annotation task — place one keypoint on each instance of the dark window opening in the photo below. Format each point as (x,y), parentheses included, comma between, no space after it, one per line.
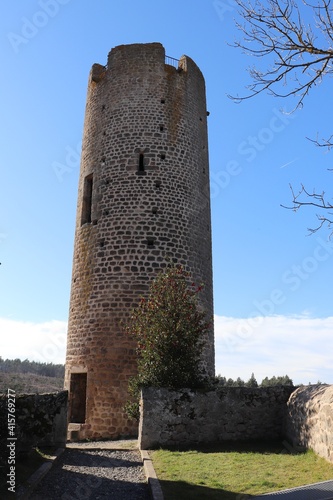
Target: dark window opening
(158,184)
(163,156)
(150,241)
(78,394)
(87,199)
(161,128)
(141,167)
(162,101)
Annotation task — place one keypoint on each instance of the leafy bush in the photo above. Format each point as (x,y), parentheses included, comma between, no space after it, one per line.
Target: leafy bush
(170,329)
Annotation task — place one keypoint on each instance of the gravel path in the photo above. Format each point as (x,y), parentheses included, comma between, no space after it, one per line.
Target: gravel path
(83,473)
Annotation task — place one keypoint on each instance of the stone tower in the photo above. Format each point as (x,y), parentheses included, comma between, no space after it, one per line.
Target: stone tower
(143,198)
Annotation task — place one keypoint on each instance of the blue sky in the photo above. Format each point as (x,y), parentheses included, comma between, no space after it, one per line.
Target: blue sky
(272,280)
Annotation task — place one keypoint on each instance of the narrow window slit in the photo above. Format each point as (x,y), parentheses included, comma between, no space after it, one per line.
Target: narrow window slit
(87,200)
(141,166)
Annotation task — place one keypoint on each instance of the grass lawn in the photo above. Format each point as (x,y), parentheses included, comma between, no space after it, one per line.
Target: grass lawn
(233,471)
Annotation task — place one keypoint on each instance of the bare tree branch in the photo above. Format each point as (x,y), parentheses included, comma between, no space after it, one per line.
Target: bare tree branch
(326,143)
(316,200)
(300,55)
(275,28)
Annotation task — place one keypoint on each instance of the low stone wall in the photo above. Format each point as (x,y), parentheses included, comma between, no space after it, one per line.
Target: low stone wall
(186,418)
(309,421)
(40,420)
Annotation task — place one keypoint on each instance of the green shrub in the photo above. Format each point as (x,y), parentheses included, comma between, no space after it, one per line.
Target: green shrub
(170,328)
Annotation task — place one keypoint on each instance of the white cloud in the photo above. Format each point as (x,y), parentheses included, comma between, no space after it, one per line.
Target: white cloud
(298,346)
(44,342)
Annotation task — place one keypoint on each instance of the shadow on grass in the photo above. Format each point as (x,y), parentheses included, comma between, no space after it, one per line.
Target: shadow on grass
(185,491)
(181,490)
(261,447)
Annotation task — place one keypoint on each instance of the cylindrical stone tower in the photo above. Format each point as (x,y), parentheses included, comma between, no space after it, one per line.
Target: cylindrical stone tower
(143,198)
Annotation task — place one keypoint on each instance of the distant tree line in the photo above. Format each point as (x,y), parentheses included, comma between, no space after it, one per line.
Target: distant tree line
(252,382)
(26,366)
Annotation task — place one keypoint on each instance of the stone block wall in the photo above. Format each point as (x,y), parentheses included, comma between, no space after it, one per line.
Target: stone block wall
(185,417)
(40,420)
(309,421)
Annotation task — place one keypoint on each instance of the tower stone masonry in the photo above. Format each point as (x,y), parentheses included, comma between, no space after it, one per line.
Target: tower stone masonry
(143,198)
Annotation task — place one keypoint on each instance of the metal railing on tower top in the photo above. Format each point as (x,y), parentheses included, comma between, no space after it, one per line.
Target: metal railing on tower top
(171,61)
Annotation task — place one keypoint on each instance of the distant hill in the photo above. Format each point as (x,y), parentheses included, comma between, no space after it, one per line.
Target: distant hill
(29,383)
(30,376)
